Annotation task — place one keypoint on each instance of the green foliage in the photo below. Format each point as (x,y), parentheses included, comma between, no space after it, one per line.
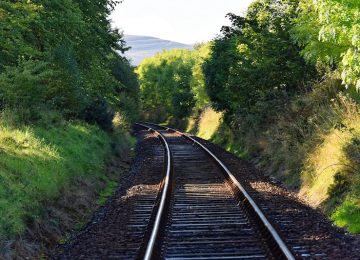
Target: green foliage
(348,215)
(128,91)
(262,74)
(255,63)
(172,84)
(200,54)
(62,55)
(339,187)
(329,30)
(312,146)
(98,112)
(58,59)
(165,83)
(35,84)
(18,84)
(17,38)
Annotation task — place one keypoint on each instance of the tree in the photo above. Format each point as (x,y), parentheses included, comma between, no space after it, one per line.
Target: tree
(67,55)
(165,83)
(329,31)
(255,64)
(200,53)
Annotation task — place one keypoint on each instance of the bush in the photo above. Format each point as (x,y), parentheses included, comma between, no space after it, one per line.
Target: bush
(171,84)
(98,112)
(34,84)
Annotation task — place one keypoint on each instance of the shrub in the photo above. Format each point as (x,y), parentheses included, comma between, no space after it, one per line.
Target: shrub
(99,112)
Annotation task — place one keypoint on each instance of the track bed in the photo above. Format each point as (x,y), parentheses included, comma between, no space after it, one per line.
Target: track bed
(205,219)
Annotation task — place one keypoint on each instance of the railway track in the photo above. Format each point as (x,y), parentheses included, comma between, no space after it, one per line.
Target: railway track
(202,211)
(179,201)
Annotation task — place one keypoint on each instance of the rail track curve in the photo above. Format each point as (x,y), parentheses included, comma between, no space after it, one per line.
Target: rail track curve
(203,212)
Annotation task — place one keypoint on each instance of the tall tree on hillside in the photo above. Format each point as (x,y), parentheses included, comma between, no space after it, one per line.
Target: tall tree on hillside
(255,63)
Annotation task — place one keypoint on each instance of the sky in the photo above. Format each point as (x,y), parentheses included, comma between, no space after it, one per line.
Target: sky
(185,21)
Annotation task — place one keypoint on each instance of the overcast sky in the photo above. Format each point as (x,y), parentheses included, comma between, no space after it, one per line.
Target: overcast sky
(185,21)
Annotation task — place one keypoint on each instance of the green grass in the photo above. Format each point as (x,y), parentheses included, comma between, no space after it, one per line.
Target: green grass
(326,159)
(209,123)
(36,163)
(107,192)
(209,126)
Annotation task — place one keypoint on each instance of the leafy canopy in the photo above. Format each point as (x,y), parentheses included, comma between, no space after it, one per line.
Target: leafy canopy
(329,31)
(64,55)
(172,82)
(255,59)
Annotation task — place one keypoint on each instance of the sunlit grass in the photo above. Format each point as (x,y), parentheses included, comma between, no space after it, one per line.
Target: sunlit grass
(337,154)
(36,163)
(323,163)
(209,123)
(190,124)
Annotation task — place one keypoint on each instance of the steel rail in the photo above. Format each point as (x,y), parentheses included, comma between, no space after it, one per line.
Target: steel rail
(286,251)
(155,230)
(281,244)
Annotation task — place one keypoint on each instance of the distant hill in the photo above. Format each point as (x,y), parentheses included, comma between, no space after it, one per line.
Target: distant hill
(146,46)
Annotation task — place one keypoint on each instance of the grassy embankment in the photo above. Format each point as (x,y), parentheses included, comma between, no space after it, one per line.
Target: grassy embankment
(40,163)
(313,146)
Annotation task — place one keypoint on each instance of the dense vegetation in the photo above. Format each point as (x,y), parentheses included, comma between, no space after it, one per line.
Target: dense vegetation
(285,79)
(255,65)
(329,35)
(292,71)
(67,97)
(63,55)
(172,84)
